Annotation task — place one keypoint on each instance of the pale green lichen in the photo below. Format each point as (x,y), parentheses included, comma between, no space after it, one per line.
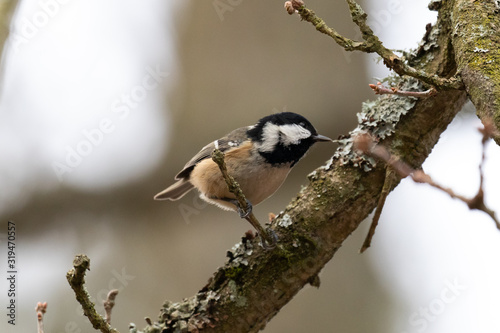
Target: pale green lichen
(239,300)
(239,253)
(379,118)
(435,5)
(475,41)
(179,316)
(430,42)
(285,221)
(479,50)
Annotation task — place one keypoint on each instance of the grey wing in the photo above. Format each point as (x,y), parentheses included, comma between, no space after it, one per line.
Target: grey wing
(231,140)
(175,191)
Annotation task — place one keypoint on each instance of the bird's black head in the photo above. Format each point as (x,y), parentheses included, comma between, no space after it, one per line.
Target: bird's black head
(284,137)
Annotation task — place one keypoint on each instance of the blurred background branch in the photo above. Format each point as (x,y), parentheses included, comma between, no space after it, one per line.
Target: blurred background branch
(7,8)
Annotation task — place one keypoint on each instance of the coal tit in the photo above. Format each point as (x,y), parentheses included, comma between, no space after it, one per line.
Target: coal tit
(259,157)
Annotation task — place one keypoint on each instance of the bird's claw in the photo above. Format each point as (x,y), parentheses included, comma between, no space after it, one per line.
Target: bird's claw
(274,240)
(244,213)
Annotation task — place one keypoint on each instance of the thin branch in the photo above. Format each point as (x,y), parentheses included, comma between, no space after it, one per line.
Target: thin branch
(488,131)
(367,145)
(40,309)
(234,187)
(109,303)
(379,89)
(76,279)
(390,179)
(391,60)
(297,6)
(371,44)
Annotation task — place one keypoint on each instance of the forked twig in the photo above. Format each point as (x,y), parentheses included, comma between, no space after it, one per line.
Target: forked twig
(40,309)
(370,44)
(367,145)
(76,279)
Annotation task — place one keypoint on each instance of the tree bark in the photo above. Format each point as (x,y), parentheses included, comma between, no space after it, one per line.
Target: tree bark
(476,39)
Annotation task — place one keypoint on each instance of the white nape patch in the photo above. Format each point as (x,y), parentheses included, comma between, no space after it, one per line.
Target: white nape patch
(289,134)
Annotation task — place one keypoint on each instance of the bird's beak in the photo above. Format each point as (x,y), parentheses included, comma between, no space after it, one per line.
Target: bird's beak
(319,137)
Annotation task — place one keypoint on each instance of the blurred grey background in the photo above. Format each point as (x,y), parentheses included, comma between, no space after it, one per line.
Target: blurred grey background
(104,102)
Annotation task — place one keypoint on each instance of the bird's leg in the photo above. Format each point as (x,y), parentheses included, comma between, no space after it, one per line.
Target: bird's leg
(242,212)
(268,241)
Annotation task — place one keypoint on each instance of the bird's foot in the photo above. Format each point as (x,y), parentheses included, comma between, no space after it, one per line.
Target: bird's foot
(274,239)
(241,211)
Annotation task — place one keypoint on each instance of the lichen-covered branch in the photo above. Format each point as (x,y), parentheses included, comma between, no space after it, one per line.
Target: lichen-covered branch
(76,279)
(372,44)
(476,39)
(254,283)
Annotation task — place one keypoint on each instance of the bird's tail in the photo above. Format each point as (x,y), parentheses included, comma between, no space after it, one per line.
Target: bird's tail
(175,191)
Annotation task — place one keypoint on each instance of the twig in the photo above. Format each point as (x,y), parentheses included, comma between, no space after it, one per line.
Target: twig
(390,178)
(297,6)
(391,60)
(234,187)
(76,279)
(40,309)
(371,43)
(488,131)
(379,89)
(109,303)
(367,145)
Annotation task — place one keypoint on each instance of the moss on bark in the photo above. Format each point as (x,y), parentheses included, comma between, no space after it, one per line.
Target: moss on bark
(476,40)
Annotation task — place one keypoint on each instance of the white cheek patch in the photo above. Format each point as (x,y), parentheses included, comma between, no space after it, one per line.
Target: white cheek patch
(270,137)
(291,134)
